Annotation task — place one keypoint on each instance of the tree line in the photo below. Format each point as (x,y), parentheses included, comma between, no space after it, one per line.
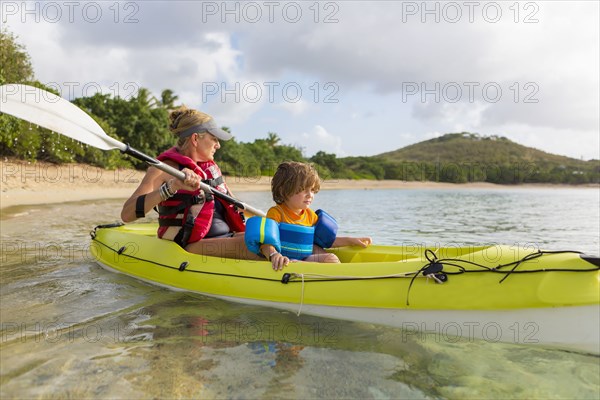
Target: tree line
(142,122)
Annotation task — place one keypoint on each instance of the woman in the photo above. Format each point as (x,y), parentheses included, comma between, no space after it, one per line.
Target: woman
(198,222)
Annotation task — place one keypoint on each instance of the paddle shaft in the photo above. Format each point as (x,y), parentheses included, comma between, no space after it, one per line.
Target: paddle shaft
(181,176)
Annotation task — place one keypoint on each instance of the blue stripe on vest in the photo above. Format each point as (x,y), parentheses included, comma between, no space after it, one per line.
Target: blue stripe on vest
(296,240)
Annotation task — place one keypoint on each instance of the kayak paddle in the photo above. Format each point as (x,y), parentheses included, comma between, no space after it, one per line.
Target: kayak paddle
(59,115)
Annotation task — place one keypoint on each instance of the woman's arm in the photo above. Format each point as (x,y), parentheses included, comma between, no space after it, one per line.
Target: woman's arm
(150,186)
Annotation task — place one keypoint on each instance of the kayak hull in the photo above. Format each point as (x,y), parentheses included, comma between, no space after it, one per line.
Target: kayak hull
(552,300)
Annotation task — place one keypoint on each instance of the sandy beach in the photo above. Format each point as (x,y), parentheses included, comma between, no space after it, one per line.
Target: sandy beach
(27,183)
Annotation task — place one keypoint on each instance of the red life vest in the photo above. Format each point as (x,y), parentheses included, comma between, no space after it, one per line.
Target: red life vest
(179,210)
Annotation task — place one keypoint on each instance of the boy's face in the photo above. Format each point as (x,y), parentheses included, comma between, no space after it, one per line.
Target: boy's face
(301,200)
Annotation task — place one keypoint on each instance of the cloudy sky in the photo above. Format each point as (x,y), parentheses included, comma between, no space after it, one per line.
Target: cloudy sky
(346,77)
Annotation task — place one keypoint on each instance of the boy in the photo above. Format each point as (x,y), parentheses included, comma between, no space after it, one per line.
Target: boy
(293,187)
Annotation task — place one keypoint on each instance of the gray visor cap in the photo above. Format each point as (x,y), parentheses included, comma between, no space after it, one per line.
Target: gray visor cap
(208,126)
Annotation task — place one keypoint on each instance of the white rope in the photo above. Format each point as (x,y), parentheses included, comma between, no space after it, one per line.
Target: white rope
(432,276)
(321,276)
(301,296)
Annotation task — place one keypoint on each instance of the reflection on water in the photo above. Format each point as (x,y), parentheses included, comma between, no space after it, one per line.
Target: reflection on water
(70,329)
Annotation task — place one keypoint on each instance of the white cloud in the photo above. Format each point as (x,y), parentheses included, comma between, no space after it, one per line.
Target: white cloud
(458,116)
(371,53)
(432,135)
(553,60)
(572,142)
(319,139)
(296,108)
(179,66)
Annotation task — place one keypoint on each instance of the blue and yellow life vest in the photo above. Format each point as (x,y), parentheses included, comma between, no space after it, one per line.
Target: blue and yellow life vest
(293,241)
(296,240)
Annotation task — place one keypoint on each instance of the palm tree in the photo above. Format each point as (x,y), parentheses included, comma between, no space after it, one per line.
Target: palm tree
(144,97)
(272,139)
(168,99)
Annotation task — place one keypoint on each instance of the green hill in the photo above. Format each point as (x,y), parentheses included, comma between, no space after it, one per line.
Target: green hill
(470,147)
(468,157)
(465,157)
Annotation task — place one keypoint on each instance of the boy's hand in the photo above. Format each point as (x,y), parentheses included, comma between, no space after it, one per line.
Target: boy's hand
(279,261)
(362,242)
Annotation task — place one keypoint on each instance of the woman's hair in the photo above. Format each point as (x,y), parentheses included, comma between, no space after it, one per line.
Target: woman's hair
(291,178)
(184,118)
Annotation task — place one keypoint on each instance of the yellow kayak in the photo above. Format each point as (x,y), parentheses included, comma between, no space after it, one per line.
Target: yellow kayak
(494,293)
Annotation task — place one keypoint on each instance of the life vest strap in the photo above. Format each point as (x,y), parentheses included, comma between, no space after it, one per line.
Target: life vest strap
(214,182)
(185,201)
(170,221)
(183,236)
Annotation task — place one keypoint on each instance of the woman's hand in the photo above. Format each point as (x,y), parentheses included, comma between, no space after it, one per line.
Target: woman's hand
(190,183)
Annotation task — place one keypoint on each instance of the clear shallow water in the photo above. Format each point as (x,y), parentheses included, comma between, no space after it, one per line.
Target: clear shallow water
(70,329)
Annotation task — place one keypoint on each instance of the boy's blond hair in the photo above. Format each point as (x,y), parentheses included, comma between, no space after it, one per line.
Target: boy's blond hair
(291,178)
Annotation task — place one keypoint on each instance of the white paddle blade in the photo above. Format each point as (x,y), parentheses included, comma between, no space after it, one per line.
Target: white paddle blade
(55,113)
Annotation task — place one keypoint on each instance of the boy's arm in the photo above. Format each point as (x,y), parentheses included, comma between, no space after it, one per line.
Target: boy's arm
(278,261)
